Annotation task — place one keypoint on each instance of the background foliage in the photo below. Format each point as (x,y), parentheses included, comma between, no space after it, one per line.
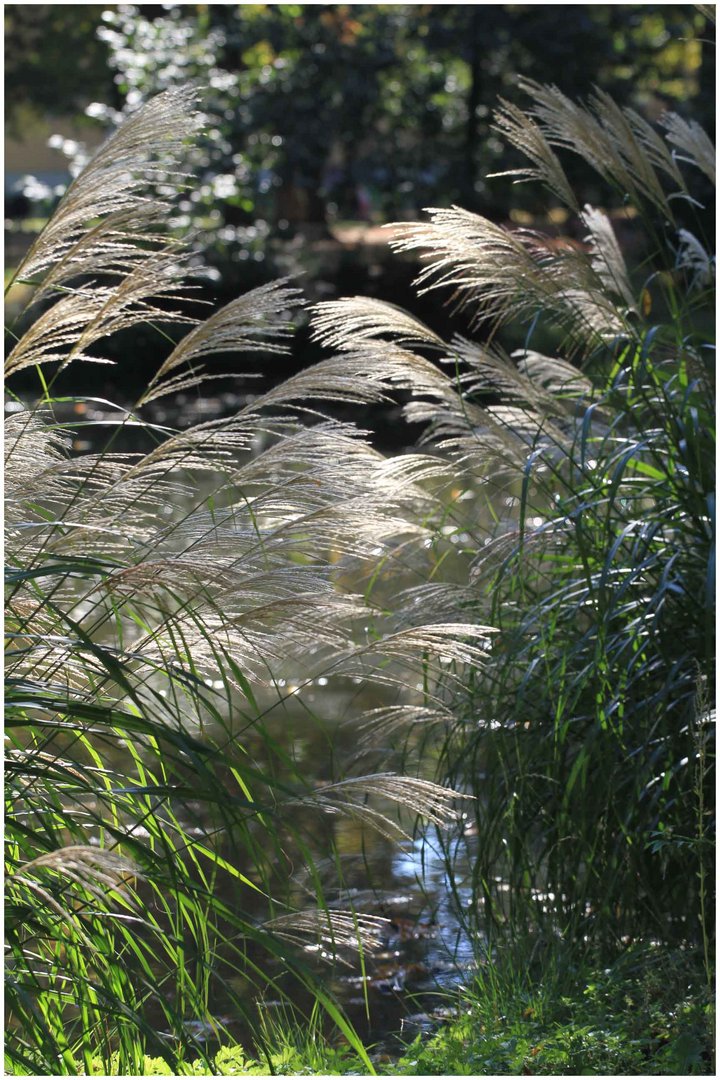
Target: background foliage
(310,102)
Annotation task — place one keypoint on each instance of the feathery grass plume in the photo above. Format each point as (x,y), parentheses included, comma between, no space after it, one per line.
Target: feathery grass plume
(639,146)
(113,187)
(569,126)
(417,797)
(345,324)
(695,259)
(616,142)
(75,322)
(502,274)
(521,131)
(385,723)
(352,377)
(558,377)
(693,140)
(657,154)
(99,874)
(607,259)
(243,325)
(102,261)
(109,249)
(416,645)
(333,929)
(438,600)
(487,371)
(34,449)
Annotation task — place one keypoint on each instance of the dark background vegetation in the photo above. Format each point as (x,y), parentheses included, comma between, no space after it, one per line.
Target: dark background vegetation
(328,121)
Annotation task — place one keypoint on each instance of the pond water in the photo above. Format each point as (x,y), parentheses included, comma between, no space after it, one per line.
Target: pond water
(424,952)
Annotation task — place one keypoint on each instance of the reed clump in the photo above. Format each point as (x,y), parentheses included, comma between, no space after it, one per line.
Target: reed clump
(584,506)
(159,603)
(531,589)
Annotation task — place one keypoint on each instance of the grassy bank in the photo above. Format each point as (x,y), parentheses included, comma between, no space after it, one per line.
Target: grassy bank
(649,1013)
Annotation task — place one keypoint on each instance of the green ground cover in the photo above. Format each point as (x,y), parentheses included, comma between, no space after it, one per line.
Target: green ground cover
(649,1014)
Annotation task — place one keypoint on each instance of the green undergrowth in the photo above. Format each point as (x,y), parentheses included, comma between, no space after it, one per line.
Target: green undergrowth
(645,1015)
(234,1061)
(649,1013)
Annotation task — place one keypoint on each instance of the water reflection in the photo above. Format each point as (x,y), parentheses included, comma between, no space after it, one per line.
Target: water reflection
(423,952)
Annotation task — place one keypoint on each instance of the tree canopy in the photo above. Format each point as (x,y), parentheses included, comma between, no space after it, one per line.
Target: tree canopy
(344,108)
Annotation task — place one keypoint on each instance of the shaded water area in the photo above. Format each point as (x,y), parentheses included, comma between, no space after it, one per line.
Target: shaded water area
(423,952)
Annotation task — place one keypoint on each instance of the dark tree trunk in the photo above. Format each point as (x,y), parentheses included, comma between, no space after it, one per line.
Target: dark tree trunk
(706,96)
(473,100)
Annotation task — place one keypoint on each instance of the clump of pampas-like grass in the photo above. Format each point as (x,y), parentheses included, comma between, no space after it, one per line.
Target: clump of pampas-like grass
(583,503)
(158,602)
